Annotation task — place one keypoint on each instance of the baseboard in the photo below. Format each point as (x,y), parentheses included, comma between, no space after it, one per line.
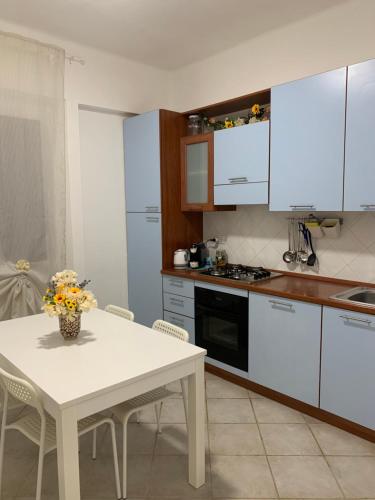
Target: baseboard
(324,416)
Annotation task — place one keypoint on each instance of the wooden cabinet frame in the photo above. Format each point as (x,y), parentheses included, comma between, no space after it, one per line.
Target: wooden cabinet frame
(197,207)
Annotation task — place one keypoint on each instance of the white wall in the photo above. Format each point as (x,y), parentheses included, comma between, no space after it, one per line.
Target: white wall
(338,36)
(103,198)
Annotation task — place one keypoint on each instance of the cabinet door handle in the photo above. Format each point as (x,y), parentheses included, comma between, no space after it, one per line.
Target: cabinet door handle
(152,219)
(283,304)
(369,206)
(359,320)
(302,207)
(236,180)
(152,209)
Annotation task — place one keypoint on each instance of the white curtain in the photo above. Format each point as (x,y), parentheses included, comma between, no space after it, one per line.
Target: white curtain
(32,172)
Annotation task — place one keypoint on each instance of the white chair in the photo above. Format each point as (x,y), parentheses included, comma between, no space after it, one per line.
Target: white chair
(156,397)
(40,428)
(181,334)
(120,311)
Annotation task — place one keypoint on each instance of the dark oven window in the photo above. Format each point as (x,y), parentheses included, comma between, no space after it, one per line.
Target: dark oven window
(221,326)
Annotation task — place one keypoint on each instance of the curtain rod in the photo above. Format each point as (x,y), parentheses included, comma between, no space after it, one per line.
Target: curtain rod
(75,59)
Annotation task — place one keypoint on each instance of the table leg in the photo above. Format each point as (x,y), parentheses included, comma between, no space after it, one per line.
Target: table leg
(196,413)
(67,455)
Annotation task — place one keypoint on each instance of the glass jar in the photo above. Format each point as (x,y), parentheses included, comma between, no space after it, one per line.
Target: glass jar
(194,125)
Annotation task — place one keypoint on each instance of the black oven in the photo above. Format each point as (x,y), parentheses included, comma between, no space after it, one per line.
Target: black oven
(221,326)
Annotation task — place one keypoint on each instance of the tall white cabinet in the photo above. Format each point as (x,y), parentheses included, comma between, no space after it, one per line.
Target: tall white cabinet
(143,216)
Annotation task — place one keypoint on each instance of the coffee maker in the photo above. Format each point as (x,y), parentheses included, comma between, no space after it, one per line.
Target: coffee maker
(198,255)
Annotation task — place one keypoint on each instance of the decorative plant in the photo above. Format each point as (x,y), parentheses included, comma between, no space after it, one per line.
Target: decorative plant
(66,297)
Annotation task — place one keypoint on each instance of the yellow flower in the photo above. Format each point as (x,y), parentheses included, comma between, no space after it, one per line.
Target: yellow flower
(71,307)
(255,109)
(75,290)
(228,123)
(59,298)
(69,303)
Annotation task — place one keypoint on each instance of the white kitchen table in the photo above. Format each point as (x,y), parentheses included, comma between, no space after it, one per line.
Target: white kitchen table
(111,361)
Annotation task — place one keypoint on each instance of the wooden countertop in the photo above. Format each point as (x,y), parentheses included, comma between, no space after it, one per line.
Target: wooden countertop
(291,286)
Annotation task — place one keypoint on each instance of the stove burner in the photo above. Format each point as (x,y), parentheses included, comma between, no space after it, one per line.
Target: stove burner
(239,272)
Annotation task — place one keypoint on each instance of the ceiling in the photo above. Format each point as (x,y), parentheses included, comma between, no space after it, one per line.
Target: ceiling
(164,33)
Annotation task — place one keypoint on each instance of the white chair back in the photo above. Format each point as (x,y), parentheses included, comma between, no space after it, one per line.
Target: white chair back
(20,389)
(172,330)
(120,311)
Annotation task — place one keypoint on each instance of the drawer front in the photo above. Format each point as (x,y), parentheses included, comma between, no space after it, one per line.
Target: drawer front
(254,193)
(178,304)
(178,286)
(184,322)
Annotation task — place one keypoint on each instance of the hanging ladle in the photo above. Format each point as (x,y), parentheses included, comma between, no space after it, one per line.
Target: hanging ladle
(290,255)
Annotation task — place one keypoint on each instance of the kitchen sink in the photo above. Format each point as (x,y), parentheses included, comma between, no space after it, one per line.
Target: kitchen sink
(361,295)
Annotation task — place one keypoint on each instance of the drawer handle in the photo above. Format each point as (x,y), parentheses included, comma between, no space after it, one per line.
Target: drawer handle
(283,304)
(236,180)
(368,205)
(177,302)
(302,207)
(176,283)
(350,318)
(152,219)
(152,209)
(177,321)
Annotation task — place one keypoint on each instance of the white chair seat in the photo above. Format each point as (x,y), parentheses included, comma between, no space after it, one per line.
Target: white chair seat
(123,411)
(30,426)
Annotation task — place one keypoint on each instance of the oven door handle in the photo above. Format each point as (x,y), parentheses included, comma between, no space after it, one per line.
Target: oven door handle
(221,313)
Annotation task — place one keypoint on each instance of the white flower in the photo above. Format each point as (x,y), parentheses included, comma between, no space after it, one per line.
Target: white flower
(23,265)
(65,278)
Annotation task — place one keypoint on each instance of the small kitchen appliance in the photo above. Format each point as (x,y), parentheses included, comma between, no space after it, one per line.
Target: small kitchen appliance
(181,258)
(198,255)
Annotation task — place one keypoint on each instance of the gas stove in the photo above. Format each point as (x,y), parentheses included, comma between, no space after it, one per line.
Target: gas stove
(237,272)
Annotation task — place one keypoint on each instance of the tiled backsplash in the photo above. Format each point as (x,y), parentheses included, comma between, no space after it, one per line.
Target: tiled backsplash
(255,236)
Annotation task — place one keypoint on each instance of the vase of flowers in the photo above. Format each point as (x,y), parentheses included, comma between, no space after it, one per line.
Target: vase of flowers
(67,299)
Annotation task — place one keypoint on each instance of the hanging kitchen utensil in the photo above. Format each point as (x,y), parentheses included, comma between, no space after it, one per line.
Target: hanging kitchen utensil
(289,256)
(311,261)
(302,252)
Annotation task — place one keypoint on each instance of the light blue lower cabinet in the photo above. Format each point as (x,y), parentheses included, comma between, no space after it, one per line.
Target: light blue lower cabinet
(182,322)
(348,365)
(284,346)
(179,304)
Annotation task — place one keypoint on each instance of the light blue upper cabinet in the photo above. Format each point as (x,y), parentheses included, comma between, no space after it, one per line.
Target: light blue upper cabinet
(142,163)
(359,191)
(348,368)
(307,143)
(284,346)
(241,164)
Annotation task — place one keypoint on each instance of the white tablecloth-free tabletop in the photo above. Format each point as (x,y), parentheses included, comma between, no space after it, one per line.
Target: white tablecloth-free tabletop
(111,361)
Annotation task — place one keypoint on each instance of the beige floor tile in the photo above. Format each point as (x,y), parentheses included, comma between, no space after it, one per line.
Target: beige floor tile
(170,478)
(173,440)
(303,477)
(288,439)
(335,441)
(225,411)
(254,395)
(356,475)
(235,439)
(219,388)
(311,420)
(271,412)
(241,477)
(19,476)
(147,415)
(173,412)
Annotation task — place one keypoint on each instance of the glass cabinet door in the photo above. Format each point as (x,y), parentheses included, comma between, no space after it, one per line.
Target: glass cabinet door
(197,173)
